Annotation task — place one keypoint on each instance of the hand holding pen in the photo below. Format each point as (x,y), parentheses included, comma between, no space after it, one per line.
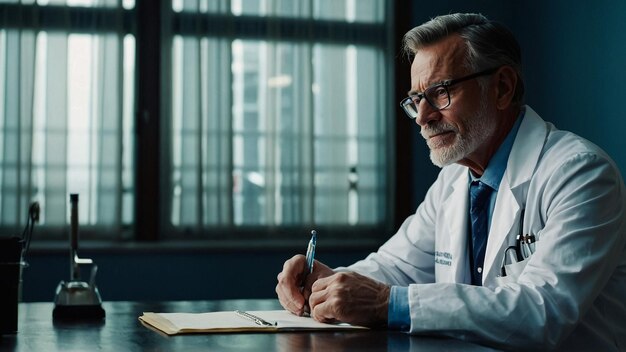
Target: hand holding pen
(297,277)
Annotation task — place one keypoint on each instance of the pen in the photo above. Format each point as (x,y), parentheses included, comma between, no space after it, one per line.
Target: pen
(254,318)
(310,252)
(520,237)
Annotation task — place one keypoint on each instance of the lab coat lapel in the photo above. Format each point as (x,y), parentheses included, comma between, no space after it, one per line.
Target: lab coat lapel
(503,229)
(454,237)
(513,189)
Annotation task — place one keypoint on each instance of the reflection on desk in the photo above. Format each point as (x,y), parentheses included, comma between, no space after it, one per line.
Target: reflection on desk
(122,331)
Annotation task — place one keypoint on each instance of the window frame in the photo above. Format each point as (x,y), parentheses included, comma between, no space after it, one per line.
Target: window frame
(154,24)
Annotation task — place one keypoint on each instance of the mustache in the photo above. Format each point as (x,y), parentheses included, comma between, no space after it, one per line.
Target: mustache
(437,128)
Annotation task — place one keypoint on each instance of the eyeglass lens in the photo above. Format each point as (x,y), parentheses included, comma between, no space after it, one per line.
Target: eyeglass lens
(436,96)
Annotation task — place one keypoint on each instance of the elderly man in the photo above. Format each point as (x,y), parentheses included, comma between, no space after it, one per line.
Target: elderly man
(519,243)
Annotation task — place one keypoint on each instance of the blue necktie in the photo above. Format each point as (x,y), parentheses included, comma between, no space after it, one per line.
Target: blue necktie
(479,213)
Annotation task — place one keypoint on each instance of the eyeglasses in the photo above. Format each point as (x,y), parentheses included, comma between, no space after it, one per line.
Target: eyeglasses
(437,95)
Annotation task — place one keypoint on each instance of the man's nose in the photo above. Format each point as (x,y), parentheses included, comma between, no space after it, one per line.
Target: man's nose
(426,113)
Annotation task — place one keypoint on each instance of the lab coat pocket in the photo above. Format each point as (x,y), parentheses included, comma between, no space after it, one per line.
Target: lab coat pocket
(513,271)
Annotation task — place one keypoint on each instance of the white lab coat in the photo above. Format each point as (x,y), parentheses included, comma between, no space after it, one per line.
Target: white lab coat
(571,292)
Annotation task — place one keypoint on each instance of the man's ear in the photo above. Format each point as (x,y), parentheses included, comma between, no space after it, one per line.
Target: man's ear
(505,83)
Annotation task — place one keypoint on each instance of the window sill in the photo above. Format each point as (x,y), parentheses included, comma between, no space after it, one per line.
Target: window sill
(201,246)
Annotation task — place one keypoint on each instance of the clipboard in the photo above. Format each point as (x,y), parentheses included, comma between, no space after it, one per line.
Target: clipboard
(237,321)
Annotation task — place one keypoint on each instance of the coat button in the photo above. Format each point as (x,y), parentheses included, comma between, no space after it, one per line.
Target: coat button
(479,269)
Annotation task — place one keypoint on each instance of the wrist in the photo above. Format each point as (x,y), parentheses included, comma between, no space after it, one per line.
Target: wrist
(383,311)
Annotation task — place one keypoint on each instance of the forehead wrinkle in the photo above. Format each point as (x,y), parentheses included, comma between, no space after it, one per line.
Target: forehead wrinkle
(439,61)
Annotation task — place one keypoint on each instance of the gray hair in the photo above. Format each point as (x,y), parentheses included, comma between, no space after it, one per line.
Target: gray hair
(489,44)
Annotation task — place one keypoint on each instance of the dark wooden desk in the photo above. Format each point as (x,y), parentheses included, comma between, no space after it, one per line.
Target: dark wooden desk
(122,331)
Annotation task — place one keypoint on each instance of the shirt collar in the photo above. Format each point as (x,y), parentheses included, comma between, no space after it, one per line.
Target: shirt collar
(497,165)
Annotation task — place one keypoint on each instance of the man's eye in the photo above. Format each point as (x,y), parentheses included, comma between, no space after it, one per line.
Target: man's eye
(440,92)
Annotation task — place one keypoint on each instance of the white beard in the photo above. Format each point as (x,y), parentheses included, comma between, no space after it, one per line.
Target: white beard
(479,128)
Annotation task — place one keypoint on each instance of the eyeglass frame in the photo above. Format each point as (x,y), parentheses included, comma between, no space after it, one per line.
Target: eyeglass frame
(443,84)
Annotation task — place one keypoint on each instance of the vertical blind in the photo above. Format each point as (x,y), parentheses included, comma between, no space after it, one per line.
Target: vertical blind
(277,113)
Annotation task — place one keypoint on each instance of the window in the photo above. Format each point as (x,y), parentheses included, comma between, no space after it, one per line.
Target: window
(274,116)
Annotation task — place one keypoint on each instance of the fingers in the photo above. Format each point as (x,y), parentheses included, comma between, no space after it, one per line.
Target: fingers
(321,308)
(351,298)
(324,312)
(288,290)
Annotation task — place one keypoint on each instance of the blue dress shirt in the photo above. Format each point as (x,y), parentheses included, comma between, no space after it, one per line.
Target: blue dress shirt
(398,314)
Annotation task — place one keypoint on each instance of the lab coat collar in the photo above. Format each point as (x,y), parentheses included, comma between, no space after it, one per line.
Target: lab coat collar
(526,149)
(513,189)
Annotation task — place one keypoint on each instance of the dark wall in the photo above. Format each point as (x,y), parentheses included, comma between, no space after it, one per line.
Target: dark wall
(575,66)
(157,275)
